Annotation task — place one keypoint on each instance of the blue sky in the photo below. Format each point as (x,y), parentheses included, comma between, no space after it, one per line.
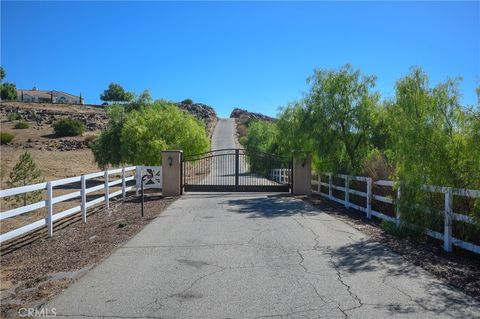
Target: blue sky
(254,55)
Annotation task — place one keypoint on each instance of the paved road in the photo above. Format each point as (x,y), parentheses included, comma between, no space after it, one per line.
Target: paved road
(221,164)
(224,134)
(256,256)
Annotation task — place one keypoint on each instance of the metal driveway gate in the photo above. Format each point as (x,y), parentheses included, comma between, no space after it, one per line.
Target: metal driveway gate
(236,170)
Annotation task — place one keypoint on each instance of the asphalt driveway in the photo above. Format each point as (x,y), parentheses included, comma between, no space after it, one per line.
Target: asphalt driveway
(253,256)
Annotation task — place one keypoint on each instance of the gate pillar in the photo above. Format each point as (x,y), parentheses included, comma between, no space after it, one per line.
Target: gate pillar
(171,173)
(302,175)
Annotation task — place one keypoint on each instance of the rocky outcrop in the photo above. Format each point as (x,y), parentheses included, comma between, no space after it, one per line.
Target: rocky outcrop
(241,113)
(203,112)
(53,145)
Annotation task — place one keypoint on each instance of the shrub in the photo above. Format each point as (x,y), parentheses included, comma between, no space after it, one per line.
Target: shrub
(6,138)
(15,116)
(24,173)
(123,223)
(8,91)
(69,127)
(21,125)
(243,140)
(187,101)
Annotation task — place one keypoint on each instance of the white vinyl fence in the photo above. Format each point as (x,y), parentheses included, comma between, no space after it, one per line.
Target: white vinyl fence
(449,215)
(80,193)
(280,175)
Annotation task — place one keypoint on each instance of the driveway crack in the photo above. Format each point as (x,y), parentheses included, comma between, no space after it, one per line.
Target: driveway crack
(347,286)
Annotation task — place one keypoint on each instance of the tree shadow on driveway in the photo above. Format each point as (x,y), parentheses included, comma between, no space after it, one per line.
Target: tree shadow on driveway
(355,260)
(434,296)
(270,206)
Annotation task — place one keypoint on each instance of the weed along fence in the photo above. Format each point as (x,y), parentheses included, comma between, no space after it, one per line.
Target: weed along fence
(339,189)
(89,191)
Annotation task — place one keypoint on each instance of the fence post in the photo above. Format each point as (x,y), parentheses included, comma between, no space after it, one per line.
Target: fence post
(319,184)
(123,184)
(447,232)
(397,207)
(83,194)
(107,203)
(330,182)
(49,209)
(347,193)
(138,179)
(369,197)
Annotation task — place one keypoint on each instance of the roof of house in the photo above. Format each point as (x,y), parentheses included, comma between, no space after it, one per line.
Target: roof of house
(39,93)
(43,93)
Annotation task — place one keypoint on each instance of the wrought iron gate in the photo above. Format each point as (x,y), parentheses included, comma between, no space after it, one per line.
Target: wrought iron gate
(236,170)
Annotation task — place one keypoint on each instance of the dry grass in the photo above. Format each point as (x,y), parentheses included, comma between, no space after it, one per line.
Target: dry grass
(54,164)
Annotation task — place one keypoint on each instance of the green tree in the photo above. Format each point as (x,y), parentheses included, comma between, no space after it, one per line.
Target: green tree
(262,137)
(8,91)
(340,113)
(116,93)
(3,74)
(292,133)
(261,143)
(25,173)
(432,141)
(163,126)
(107,148)
(139,102)
(138,136)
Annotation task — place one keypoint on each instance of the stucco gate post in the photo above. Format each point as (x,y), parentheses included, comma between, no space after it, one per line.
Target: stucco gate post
(302,174)
(171,173)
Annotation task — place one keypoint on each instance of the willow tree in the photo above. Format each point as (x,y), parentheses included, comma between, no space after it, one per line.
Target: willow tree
(432,141)
(339,117)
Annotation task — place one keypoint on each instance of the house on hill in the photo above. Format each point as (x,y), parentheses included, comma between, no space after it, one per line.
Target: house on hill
(36,95)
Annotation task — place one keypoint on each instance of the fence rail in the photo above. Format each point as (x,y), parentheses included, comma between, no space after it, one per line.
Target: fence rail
(449,215)
(80,194)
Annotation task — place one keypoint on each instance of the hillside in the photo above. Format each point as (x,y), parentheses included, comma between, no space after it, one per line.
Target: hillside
(67,156)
